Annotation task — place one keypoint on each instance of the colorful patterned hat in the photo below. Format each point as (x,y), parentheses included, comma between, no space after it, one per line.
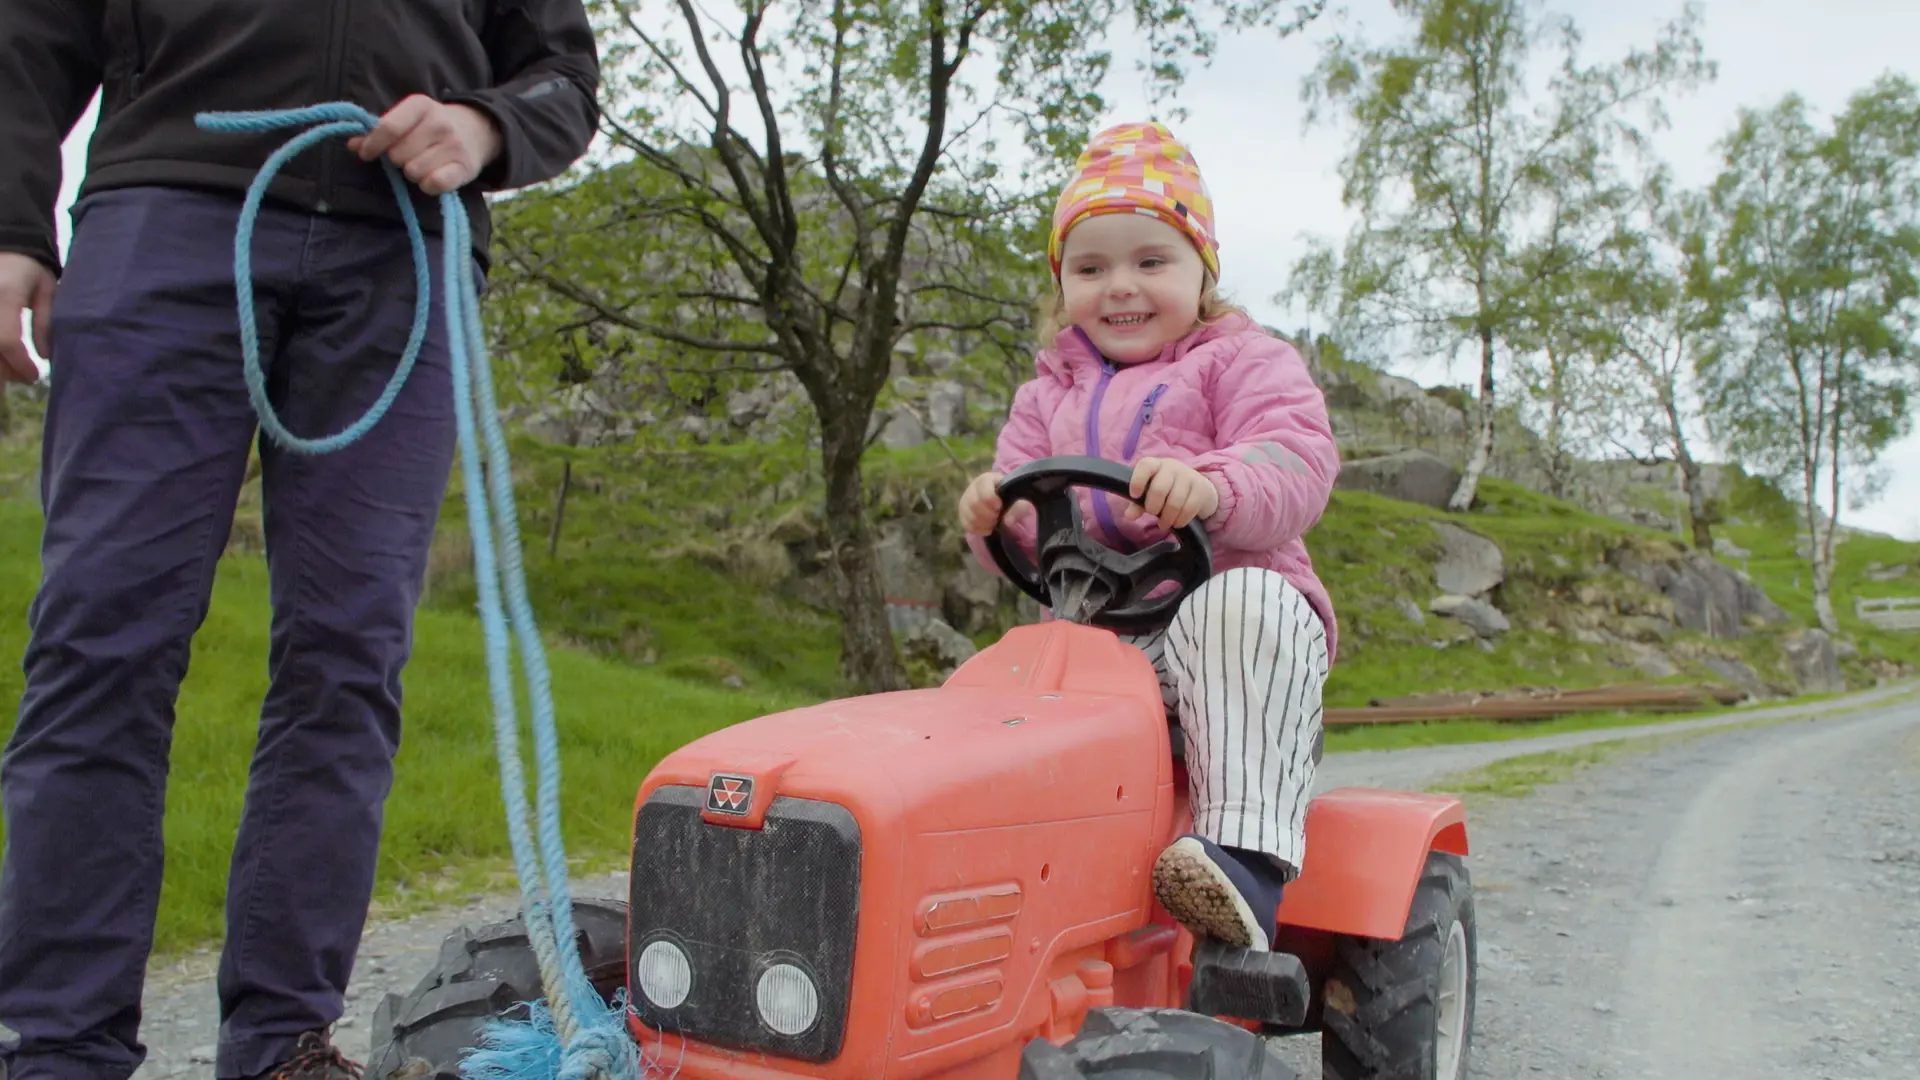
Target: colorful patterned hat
(1141,169)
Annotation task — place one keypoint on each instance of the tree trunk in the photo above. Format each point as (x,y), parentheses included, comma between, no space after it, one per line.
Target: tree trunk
(560,507)
(1696,506)
(1689,472)
(1483,441)
(867,655)
(1820,556)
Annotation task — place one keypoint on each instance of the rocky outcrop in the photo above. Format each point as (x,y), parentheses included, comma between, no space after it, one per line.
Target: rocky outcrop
(1813,661)
(1707,595)
(1410,475)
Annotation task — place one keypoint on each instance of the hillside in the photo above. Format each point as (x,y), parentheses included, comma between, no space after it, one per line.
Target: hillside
(1587,599)
(686,591)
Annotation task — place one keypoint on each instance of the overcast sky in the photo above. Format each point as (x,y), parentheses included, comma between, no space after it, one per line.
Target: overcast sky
(1274,182)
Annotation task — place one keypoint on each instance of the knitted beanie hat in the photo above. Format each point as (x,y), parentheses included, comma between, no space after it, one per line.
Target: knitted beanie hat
(1140,169)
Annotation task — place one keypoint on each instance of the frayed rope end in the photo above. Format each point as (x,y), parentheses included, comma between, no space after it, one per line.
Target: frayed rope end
(530,1048)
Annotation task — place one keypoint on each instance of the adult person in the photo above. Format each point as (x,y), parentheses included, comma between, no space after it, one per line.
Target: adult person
(146,442)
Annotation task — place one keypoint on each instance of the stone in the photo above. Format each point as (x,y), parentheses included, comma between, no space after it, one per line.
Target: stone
(1650,661)
(1411,610)
(1471,564)
(903,430)
(939,646)
(947,409)
(1737,673)
(971,596)
(903,575)
(1412,476)
(1646,628)
(1814,661)
(1481,617)
(1728,549)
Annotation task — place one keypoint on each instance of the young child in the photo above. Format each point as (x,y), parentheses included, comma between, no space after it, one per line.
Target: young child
(1221,422)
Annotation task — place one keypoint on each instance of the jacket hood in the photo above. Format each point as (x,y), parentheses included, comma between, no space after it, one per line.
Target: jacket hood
(1072,353)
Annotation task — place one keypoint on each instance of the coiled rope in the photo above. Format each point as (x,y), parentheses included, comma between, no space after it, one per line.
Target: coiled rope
(584,1037)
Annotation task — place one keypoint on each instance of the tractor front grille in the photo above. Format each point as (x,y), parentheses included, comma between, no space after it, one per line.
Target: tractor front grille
(736,901)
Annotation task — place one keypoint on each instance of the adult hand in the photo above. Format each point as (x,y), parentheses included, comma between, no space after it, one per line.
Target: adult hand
(1172,491)
(25,285)
(438,146)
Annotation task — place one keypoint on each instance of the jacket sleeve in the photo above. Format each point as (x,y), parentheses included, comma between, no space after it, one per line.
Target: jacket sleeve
(49,69)
(1022,439)
(548,71)
(1277,461)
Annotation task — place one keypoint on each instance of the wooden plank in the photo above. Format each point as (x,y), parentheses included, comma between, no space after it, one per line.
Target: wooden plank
(1639,697)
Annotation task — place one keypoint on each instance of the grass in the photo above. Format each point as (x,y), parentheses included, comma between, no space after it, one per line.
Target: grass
(445,827)
(670,613)
(1374,552)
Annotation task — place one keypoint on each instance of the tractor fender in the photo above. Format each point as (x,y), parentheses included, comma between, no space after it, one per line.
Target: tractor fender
(1366,850)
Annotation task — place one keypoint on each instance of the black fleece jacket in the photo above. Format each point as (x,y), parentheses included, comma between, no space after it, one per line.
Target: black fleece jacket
(531,65)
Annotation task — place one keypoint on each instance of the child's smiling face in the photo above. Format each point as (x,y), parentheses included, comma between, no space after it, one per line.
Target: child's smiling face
(1132,282)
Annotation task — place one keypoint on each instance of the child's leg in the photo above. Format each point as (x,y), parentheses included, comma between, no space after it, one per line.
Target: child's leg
(1247,656)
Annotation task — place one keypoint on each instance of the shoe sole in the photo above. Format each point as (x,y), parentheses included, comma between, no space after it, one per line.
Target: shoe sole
(1200,897)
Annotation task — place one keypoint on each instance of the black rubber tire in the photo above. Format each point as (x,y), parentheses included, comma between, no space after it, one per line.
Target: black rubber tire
(1380,1002)
(1154,1044)
(483,974)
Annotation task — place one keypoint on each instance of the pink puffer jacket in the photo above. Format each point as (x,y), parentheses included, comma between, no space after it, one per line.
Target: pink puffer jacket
(1231,400)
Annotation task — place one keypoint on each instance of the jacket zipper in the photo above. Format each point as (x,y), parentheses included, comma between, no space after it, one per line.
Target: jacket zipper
(139,76)
(1140,422)
(337,27)
(1101,510)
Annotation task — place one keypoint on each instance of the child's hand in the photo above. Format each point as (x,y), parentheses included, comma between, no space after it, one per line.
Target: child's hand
(1173,491)
(980,507)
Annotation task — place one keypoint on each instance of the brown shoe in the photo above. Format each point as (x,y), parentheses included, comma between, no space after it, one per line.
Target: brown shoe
(314,1058)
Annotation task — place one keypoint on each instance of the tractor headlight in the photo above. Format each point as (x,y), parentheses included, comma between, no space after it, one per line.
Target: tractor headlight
(789,1002)
(666,976)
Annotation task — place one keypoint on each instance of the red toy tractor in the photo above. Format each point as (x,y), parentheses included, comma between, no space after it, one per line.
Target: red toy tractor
(956,883)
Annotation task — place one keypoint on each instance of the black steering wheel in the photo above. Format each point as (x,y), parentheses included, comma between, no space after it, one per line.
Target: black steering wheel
(1081,579)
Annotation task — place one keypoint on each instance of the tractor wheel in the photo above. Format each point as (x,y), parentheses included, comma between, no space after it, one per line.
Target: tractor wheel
(1154,1044)
(482,975)
(1405,1008)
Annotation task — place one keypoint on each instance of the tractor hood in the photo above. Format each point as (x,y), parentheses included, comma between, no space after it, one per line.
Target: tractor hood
(1048,724)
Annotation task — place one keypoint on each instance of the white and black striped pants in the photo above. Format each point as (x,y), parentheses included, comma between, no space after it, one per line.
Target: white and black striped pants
(1243,664)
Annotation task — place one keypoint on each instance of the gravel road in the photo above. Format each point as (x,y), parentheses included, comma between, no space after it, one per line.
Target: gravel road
(1745,903)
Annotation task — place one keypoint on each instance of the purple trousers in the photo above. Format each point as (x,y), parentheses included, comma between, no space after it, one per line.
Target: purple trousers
(147,435)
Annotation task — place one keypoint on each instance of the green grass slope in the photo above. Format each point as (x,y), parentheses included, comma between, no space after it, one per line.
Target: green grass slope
(672,608)
(445,828)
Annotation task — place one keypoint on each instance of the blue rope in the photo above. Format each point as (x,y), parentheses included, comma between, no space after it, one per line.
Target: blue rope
(586,1037)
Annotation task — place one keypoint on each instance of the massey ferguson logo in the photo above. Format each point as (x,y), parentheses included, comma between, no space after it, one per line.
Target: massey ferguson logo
(729,794)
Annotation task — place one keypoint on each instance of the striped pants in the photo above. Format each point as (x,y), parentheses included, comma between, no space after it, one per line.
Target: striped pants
(1242,665)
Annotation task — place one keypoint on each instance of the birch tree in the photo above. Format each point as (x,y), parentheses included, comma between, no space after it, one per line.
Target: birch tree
(1654,300)
(1473,182)
(1817,238)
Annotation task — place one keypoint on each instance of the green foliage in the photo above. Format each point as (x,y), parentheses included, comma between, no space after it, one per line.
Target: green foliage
(1471,190)
(1816,237)
(825,191)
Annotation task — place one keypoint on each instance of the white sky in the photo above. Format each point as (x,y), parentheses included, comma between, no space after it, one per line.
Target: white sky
(1274,182)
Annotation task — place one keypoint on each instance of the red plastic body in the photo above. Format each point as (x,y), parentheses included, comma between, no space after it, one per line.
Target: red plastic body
(1009,822)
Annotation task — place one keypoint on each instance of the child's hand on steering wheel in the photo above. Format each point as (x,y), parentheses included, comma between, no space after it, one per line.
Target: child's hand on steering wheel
(980,508)
(1173,492)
